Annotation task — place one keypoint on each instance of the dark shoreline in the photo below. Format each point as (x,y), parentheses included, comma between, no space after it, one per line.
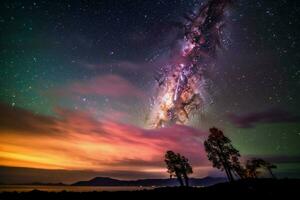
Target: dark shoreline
(242,188)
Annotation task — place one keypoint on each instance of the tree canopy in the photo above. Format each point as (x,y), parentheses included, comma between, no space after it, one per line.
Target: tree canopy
(178,166)
(221,152)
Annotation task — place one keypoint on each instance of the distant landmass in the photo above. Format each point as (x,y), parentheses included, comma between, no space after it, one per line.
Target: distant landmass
(106,181)
(240,189)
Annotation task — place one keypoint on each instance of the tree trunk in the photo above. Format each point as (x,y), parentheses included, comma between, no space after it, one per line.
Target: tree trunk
(186,179)
(271,173)
(254,174)
(238,174)
(179,178)
(228,172)
(225,164)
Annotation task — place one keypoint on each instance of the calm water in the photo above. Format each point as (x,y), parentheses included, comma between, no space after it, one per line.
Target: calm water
(27,188)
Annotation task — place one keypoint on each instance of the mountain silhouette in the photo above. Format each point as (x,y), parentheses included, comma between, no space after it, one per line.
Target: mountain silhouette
(106,181)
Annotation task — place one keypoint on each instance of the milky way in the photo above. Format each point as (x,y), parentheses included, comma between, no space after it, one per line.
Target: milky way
(76,77)
(182,84)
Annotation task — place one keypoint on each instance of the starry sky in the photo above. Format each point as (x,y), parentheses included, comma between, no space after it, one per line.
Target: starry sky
(77,78)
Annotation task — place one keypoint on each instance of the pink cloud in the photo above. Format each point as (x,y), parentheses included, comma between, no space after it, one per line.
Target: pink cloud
(105,85)
(77,141)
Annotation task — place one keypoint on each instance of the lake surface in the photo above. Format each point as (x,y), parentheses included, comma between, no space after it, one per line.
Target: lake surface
(28,188)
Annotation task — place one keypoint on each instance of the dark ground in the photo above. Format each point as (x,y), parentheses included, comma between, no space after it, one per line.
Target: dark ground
(243,189)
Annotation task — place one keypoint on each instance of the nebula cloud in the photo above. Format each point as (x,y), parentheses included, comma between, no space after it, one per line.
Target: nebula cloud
(181,85)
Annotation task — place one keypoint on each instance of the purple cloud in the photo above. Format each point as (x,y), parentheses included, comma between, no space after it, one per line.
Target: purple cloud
(283,159)
(249,120)
(104,85)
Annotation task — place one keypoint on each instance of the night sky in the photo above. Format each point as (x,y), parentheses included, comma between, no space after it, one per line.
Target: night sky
(77,79)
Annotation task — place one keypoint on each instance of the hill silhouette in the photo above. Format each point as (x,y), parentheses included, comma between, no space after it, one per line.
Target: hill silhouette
(106,181)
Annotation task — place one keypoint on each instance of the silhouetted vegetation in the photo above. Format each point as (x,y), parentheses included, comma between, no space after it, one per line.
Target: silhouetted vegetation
(178,166)
(222,154)
(253,166)
(238,169)
(225,157)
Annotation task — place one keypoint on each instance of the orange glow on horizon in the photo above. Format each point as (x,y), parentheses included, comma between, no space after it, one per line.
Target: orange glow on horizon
(76,141)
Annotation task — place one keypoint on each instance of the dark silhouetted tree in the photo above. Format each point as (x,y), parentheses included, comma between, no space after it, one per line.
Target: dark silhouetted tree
(178,166)
(238,169)
(269,167)
(252,167)
(220,152)
(186,169)
(173,166)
